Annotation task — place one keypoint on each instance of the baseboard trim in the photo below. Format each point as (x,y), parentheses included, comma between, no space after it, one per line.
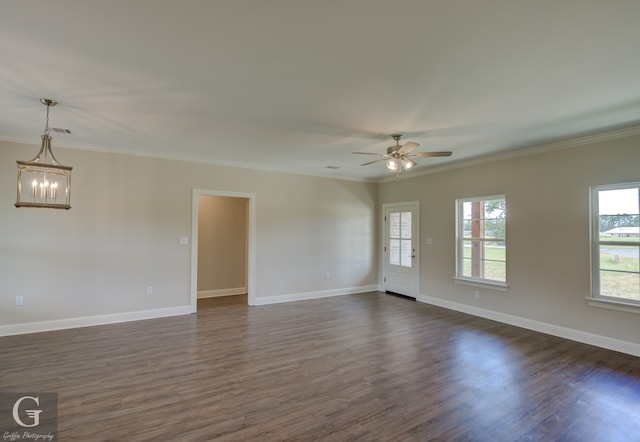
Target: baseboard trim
(542,327)
(314,295)
(221,292)
(88,321)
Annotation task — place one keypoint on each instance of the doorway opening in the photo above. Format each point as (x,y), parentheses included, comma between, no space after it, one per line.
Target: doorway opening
(222,246)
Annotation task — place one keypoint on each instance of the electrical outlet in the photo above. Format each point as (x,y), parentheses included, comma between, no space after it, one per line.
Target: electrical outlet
(476,294)
(149,290)
(19,300)
(327,275)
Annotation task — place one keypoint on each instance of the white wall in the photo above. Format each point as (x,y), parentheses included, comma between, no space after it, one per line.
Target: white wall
(547,236)
(122,235)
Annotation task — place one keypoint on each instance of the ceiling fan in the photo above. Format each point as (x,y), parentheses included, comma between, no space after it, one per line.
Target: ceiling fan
(398,158)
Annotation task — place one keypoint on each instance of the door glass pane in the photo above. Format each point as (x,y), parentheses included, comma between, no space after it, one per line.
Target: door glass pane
(394,252)
(394,225)
(405,225)
(400,241)
(405,254)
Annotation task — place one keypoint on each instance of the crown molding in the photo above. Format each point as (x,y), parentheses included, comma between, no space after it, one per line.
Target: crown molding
(518,152)
(524,152)
(190,159)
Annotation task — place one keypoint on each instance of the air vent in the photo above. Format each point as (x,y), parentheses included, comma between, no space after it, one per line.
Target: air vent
(332,167)
(61,131)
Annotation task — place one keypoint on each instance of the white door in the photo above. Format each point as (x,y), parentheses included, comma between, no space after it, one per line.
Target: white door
(400,249)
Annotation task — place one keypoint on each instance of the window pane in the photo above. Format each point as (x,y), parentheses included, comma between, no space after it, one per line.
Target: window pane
(466,249)
(466,210)
(618,202)
(495,251)
(466,228)
(620,258)
(618,214)
(466,267)
(620,271)
(491,270)
(405,253)
(620,285)
(494,228)
(619,228)
(495,209)
(394,252)
(495,270)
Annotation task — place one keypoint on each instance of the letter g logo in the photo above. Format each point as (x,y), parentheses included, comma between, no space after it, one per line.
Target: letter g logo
(33,414)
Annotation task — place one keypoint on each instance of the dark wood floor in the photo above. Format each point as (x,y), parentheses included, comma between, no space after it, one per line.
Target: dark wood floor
(358,367)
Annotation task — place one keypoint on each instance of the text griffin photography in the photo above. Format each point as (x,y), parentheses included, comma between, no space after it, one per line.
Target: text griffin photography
(29,417)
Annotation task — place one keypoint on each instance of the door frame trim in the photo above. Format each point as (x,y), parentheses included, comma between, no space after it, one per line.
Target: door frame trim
(251,240)
(383,263)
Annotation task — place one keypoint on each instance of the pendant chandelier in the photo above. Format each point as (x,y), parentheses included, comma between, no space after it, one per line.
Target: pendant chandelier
(43,181)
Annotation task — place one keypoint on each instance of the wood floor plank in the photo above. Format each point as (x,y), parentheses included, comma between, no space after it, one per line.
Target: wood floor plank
(357,367)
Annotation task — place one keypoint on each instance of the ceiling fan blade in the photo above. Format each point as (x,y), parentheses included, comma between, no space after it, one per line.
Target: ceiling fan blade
(446,153)
(408,147)
(374,161)
(366,153)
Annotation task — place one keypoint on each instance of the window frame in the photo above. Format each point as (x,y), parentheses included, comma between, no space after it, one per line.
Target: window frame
(460,238)
(595,298)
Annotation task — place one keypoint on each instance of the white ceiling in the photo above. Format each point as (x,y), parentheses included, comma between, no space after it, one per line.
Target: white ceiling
(299,85)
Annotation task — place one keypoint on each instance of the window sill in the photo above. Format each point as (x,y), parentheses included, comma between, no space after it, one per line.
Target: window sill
(483,284)
(614,304)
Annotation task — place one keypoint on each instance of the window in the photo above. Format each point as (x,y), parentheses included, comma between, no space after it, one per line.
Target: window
(481,244)
(615,243)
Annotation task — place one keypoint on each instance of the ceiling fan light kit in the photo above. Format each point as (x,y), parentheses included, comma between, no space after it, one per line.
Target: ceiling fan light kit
(398,158)
(44,182)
